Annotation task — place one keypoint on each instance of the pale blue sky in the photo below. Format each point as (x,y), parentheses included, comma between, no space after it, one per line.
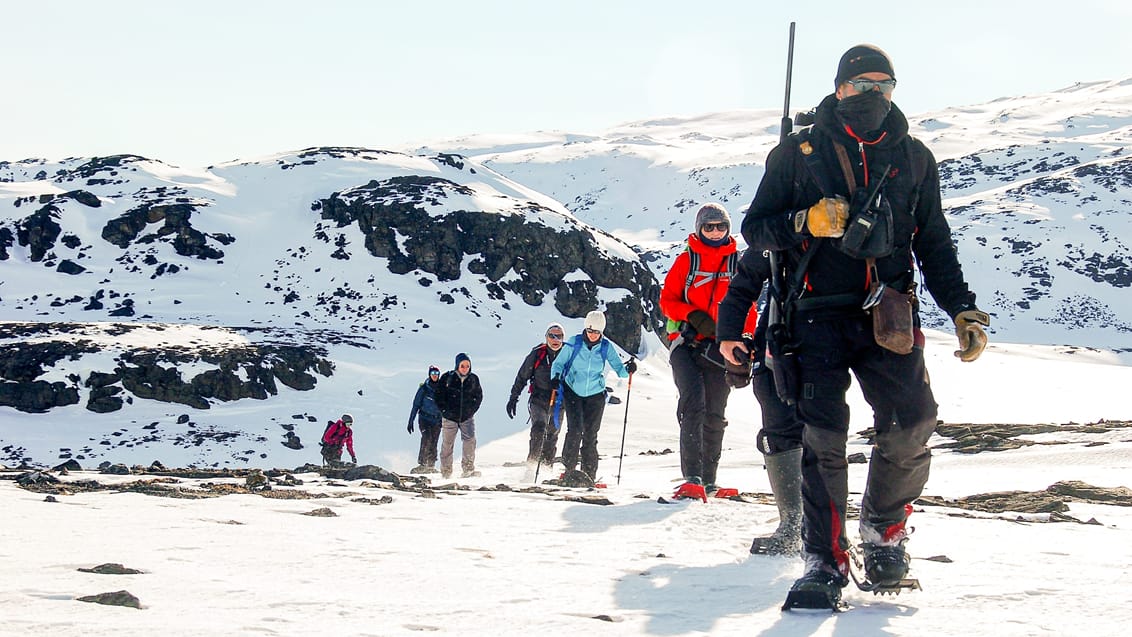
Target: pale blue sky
(206,81)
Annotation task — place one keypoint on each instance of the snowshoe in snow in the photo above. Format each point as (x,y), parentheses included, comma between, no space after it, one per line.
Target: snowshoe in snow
(819,589)
(573,478)
(726,492)
(885,562)
(885,568)
(693,488)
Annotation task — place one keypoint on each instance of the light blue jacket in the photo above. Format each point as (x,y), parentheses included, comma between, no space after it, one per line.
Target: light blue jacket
(586,376)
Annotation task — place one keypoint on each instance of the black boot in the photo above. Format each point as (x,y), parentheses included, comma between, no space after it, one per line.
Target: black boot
(784,470)
(819,588)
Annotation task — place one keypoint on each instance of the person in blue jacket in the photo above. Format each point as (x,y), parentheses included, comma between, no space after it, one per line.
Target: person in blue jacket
(580,368)
(428,414)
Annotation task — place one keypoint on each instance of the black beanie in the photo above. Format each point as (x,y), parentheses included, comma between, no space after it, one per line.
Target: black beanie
(863,58)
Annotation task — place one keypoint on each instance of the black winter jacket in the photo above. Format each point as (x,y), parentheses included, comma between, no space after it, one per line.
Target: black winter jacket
(920,229)
(746,288)
(458,399)
(535,370)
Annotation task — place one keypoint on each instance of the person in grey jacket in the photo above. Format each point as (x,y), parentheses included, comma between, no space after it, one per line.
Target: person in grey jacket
(535,373)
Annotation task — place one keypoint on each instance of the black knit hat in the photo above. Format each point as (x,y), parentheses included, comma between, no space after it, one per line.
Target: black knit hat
(863,58)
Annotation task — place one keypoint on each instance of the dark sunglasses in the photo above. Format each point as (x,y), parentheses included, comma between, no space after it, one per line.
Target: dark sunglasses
(864,86)
(589,331)
(555,337)
(712,227)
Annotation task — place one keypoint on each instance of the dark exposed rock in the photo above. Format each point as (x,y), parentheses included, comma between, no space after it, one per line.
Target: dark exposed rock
(38,231)
(36,477)
(6,241)
(291,441)
(117,598)
(176,229)
(37,396)
(66,266)
(70,465)
(111,568)
(1053,499)
(116,469)
(976,438)
(366,472)
(324,512)
(385,499)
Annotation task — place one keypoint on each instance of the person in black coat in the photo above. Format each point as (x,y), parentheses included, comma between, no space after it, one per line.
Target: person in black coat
(535,372)
(459,396)
(810,196)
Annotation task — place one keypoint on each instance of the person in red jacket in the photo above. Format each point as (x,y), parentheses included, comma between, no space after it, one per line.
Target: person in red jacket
(690,298)
(337,435)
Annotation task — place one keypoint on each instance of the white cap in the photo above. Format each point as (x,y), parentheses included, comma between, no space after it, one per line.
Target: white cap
(595,321)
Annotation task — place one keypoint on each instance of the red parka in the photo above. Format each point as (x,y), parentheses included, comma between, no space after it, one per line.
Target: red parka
(708,286)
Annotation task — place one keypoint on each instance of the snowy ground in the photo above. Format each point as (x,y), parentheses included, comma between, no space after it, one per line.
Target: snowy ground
(490,563)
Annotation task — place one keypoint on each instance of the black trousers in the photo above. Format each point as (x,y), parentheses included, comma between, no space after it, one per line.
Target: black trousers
(781,430)
(430,437)
(544,436)
(700,409)
(583,421)
(896,387)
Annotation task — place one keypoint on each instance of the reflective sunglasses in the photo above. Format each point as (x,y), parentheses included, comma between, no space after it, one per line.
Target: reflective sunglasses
(555,337)
(434,373)
(713,227)
(589,331)
(864,86)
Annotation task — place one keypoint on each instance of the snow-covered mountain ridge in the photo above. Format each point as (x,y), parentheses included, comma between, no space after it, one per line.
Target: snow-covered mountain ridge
(1035,188)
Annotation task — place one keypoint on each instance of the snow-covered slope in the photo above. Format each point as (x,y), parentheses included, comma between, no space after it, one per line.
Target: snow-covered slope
(256,296)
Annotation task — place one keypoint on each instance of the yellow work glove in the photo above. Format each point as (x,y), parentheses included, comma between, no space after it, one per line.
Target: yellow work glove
(972,339)
(826,218)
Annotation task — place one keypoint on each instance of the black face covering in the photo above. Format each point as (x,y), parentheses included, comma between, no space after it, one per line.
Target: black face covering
(864,112)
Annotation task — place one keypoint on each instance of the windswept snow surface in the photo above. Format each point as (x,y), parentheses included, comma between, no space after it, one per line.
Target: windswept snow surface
(496,563)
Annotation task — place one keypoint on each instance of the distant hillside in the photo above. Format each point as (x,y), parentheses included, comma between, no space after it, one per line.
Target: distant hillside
(1036,188)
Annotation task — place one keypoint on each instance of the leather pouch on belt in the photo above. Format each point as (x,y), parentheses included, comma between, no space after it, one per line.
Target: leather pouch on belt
(892,321)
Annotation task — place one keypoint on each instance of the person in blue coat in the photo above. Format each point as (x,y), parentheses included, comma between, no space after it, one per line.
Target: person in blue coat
(580,368)
(425,408)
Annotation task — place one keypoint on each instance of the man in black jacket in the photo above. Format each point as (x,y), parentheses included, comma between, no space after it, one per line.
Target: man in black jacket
(459,396)
(535,371)
(811,194)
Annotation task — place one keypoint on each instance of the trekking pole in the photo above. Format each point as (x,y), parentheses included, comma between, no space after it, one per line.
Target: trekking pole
(549,421)
(624,427)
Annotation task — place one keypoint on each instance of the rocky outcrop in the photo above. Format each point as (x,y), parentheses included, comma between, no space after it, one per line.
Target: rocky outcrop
(153,373)
(513,252)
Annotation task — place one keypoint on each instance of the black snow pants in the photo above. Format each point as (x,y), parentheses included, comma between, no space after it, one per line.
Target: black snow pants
(430,437)
(700,409)
(896,387)
(544,437)
(583,421)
